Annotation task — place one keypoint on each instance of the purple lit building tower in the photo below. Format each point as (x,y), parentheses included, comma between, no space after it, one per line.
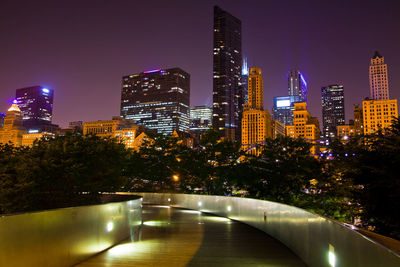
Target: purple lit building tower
(297,85)
(36,105)
(157,99)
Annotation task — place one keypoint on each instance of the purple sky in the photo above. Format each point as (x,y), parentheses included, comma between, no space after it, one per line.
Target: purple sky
(82,48)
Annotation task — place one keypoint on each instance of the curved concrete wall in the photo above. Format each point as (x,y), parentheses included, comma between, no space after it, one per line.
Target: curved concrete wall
(64,237)
(318,241)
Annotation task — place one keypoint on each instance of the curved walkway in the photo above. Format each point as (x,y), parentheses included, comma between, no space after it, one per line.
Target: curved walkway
(178,237)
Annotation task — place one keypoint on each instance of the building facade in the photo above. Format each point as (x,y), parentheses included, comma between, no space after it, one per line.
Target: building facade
(297,85)
(283,108)
(304,126)
(332,109)
(345,132)
(36,104)
(256,122)
(228,95)
(278,129)
(157,99)
(378,114)
(358,120)
(2,115)
(125,131)
(30,138)
(200,119)
(13,129)
(378,78)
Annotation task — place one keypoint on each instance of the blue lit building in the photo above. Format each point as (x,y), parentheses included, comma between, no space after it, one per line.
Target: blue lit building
(36,105)
(157,99)
(283,109)
(2,115)
(297,85)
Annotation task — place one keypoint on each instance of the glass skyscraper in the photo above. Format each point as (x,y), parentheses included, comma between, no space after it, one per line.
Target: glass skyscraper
(228,96)
(297,85)
(157,99)
(332,109)
(200,119)
(283,109)
(36,105)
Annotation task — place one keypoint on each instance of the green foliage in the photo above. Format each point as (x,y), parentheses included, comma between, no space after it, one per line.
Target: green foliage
(64,171)
(361,181)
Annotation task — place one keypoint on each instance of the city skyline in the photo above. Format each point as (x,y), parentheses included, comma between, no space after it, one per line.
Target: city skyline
(83,57)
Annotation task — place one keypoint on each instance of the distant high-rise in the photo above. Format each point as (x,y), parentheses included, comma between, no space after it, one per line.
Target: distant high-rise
(2,115)
(378,78)
(297,85)
(332,109)
(200,119)
(256,122)
(304,126)
(36,104)
(358,120)
(12,131)
(157,99)
(227,66)
(283,109)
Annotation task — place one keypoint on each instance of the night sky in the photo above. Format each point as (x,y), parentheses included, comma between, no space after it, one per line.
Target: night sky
(82,48)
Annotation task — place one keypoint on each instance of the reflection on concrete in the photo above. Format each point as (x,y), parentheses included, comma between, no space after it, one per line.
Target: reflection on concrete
(178,237)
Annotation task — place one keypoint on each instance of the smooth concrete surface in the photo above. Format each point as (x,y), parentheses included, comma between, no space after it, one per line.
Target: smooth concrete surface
(180,237)
(318,241)
(64,237)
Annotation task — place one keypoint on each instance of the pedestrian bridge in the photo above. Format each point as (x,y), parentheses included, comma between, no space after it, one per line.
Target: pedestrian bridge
(185,230)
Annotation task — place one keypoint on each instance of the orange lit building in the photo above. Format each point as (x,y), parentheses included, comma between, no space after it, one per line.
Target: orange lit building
(123,130)
(378,114)
(344,132)
(29,138)
(12,130)
(256,122)
(304,126)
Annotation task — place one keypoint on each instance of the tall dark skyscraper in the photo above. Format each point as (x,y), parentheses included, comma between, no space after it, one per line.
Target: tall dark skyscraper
(332,109)
(36,105)
(157,99)
(297,85)
(228,96)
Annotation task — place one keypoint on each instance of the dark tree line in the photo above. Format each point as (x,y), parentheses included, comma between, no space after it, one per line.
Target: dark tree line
(360,181)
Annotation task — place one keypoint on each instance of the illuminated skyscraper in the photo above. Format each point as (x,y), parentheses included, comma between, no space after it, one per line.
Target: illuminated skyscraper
(297,85)
(200,119)
(227,67)
(12,131)
(304,126)
(283,109)
(332,109)
(378,78)
(256,122)
(157,99)
(36,104)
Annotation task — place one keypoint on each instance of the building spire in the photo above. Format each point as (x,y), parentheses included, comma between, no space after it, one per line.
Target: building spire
(376,54)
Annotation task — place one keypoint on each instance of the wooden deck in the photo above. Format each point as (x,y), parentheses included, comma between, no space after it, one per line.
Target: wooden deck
(178,237)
